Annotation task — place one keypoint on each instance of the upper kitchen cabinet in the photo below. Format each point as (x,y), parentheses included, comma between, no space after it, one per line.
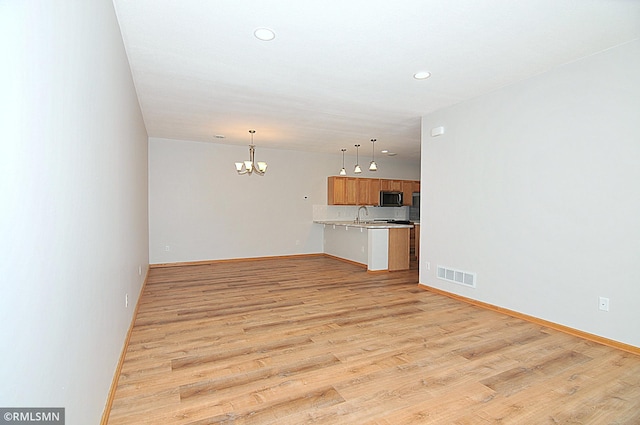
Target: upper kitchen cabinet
(368,192)
(391,185)
(342,190)
(365,191)
(408,187)
(353,191)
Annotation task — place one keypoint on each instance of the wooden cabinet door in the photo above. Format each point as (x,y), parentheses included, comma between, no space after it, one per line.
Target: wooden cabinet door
(374,192)
(407,192)
(336,190)
(351,191)
(391,185)
(399,249)
(368,191)
(363,191)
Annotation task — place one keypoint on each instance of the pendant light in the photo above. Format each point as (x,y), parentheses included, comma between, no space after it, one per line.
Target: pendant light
(248,167)
(373,166)
(357,169)
(343,171)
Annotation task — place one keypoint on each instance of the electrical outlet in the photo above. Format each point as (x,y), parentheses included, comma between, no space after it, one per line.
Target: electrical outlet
(603,304)
(167,248)
(126,300)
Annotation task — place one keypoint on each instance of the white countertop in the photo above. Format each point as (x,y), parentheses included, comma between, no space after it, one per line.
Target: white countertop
(365,224)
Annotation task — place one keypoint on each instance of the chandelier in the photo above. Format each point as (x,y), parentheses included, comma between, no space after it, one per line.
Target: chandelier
(248,167)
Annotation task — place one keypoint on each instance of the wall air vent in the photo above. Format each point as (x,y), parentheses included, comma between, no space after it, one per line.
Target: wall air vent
(457,276)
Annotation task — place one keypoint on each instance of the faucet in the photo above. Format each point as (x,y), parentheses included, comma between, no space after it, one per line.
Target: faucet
(357,220)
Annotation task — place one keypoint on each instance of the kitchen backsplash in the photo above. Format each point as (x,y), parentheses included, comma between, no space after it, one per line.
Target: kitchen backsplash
(348,212)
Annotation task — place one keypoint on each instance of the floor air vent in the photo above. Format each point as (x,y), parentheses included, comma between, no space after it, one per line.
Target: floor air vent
(457,276)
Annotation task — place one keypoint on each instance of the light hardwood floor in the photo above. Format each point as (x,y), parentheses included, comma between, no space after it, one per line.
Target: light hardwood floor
(316,340)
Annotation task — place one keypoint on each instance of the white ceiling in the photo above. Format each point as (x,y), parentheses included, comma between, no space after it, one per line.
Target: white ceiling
(340,72)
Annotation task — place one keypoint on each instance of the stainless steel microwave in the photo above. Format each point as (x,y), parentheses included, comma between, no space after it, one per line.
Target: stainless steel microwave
(390,199)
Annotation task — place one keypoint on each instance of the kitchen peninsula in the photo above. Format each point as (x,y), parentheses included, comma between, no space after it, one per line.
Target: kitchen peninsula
(380,245)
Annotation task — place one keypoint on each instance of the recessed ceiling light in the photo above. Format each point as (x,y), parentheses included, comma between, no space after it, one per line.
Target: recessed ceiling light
(384,151)
(264,34)
(219,136)
(422,75)
(392,154)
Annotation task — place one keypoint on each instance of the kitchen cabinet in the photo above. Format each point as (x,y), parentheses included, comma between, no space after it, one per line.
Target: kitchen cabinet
(391,185)
(378,246)
(407,187)
(407,192)
(352,191)
(365,191)
(398,249)
(368,191)
(341,190)
(412,243)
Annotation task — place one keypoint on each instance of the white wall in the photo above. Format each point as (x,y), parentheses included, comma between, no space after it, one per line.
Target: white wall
(73,214)
(203,210)
(536,188)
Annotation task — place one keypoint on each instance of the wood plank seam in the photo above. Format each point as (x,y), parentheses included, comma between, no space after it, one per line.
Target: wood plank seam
(562,328)
(123,354)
